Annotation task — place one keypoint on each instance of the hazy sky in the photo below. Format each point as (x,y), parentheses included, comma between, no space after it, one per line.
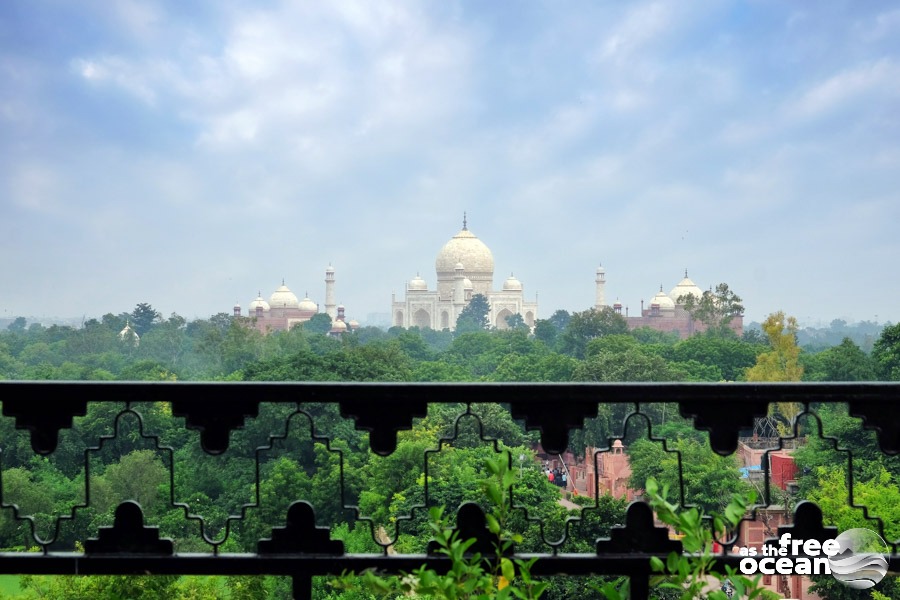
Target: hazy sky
(191,154)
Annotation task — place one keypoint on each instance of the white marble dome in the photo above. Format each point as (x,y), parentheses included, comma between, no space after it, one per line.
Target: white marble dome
(512,285)
(467,249)
(258,303)
(308,305)
(664,301)
(685,287)
(283,297)
(417,284)
(128,334)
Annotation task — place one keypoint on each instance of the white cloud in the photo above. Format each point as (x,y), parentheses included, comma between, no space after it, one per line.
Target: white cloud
(882,26)
(139,80)
(641,26)
(851,86)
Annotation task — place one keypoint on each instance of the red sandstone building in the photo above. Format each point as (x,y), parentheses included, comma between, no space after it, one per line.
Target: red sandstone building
(665,312)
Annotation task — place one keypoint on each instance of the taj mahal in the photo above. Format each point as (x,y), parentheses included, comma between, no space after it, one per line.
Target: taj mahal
(465,267)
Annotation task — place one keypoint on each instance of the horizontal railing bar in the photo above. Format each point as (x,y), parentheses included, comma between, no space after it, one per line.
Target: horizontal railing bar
(450,392)
(316,565)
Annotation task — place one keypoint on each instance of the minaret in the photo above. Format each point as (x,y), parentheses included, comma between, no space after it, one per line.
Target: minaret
(330,304)
(459,290)
(601,288)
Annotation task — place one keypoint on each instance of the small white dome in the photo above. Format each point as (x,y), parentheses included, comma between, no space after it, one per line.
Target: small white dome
(308,305)
(259,302)
(417,283)
(512,285)
(329,269)
(283,297)
(338,326)
(661,299)
(353,324)
(467,284)
(129,335)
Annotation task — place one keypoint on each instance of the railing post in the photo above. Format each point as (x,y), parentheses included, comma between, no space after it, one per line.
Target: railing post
(640,586)
(301,587)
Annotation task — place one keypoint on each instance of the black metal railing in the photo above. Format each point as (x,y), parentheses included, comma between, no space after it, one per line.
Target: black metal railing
(51,413)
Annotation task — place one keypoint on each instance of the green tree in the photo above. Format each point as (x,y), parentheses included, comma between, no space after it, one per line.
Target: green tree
(632,364)
(782,362)
(138,476)
(709,479)
(731,356)
(545,331)
(476,313)
(18,325)
(886,353)
(587,325)
(516,322)
(143,317)
(715,309)
(319,323)
(846,362)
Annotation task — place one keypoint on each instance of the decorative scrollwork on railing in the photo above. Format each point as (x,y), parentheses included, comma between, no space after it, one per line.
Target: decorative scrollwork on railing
(128,535)
(44,425)
(638,535)
(724,421)
(382,422)
(301,535)
(883,418)
(555,420)
(261,427)
(472,525)
(215,423)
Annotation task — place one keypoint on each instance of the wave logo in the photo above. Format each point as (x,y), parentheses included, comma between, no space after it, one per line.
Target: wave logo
(862,559)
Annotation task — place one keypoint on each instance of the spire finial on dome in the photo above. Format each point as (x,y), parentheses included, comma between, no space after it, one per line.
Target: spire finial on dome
(282,281)
(685,273)
(465,227)
(660,287)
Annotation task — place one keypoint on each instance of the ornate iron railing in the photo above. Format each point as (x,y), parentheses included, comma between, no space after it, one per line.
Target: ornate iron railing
(45,411)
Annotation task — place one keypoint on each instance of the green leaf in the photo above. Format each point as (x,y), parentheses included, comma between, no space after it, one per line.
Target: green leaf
(672,562)
(657,564)
(508,569)
(493,525)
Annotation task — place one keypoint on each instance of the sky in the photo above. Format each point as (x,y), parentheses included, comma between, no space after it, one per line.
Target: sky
(191,154)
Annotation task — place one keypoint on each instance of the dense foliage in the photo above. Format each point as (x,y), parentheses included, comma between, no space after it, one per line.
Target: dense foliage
(588,346)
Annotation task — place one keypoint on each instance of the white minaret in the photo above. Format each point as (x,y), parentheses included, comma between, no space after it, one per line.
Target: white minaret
(601,288)
(330,304)
(459,289)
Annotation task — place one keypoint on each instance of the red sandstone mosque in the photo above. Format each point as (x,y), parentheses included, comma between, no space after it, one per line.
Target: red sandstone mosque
(284,310)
